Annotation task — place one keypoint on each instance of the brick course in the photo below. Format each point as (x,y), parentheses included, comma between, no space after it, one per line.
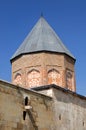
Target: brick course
(44,63)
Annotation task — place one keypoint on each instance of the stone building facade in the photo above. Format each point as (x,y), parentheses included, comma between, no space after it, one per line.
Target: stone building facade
(42,95)
(49,108)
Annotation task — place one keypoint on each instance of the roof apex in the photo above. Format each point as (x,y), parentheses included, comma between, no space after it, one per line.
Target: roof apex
(42,38)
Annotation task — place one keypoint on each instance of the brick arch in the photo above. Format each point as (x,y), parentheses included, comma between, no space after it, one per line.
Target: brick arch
(53,77)
(69,80)
(18,79)
(33,78)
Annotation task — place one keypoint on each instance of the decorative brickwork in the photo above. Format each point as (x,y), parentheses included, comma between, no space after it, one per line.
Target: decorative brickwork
(18,79)
(53,77)
(42,69)
(33,78)
(69,80)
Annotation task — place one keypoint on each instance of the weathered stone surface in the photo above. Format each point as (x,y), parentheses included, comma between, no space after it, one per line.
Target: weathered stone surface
(65,110)
(69,111)
(12,107)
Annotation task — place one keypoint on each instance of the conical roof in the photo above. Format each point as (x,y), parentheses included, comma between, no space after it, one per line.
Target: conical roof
(42,38)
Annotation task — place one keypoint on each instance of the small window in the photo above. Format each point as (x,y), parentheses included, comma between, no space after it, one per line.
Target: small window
(24,115)
(26,101)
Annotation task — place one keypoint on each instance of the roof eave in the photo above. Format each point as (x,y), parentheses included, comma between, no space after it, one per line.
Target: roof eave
(18,56)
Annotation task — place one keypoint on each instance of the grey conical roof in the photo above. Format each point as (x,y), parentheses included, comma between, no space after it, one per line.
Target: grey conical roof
(42,38)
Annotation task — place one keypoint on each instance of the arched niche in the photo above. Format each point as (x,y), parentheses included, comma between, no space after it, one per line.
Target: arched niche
(33,78)
(18,79)
(69,82)
(53,77)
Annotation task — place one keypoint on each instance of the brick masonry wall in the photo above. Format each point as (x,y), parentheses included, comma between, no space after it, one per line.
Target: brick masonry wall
(47,65)
(69,67)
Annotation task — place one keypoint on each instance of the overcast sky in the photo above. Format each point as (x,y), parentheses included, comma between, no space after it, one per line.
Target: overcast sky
(67,18)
